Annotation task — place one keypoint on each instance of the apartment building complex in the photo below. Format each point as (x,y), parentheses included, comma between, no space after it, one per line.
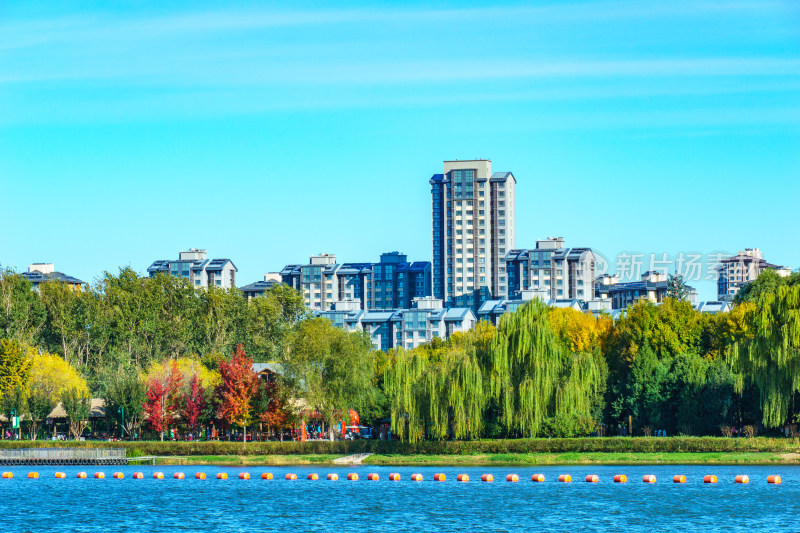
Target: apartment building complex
(195,266)
(391,283)
(550,268)
(407,328)
(473,226)
(733,272)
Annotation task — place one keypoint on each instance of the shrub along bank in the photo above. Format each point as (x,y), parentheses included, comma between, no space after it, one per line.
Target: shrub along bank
(504,446)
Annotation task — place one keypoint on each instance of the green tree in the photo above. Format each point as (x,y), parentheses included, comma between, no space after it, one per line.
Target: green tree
(768,281)
(770,358)
(77,406)
(676,288)
(22,314)
(329,369)
(534,376)
(15,369)
(124,396)
(66,317)
(271,319)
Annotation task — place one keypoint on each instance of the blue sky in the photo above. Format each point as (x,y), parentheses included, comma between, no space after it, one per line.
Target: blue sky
(268,132)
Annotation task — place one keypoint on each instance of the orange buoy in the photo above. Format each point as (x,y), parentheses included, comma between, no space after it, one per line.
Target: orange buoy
(266,475)
(620,478)
(333,477)
(199,475)
(99,475)
(179,475)
(61,475)
(118,475)
(679,479)
(591,478)
(462,478)
(649,478)
(538,478)
(8,475)
(373,477)
(742,479)
(512,478)
(394,477)
(565,478)
(33,475)
(246,475)
(709,479)
(138,475)
(439,477)
(222,475)
(158,475)
(774,480)
(312,477)
(414,477)
(291,477)
(488,478)
(352,476)
(81,475)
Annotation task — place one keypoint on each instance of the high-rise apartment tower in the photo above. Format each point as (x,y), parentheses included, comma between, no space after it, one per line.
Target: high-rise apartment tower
(473,228)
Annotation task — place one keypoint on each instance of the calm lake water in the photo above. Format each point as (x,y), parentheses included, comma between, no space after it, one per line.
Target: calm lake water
(65,505)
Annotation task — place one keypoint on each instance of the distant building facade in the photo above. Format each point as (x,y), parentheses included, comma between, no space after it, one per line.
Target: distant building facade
(473,226)
(392,283)
(402,328)
(194,266)
(561,273)
(39,273)
(652,287)
(260,287)
(733,272)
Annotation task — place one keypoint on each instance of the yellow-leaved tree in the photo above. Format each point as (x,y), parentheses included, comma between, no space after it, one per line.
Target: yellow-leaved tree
(51,380)
(187,367)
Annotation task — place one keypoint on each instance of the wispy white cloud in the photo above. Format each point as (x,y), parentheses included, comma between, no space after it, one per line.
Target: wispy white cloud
(108,28)
(260,71)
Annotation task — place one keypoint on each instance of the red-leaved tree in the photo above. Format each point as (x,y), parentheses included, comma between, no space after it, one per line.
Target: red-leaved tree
(163,403)
(273,411)
(235,392)
(194,403)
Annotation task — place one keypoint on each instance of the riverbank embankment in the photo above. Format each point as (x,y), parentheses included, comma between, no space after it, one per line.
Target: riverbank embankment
(602,450)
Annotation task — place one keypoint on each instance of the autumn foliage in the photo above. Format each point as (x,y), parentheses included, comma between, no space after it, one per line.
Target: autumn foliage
(238,387)
(194,402)
(163,404)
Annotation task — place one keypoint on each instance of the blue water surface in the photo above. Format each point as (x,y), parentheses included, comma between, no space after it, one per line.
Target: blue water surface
(146,505)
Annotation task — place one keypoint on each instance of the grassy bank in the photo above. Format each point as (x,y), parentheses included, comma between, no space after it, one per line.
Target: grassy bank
(572,458)
(581,447)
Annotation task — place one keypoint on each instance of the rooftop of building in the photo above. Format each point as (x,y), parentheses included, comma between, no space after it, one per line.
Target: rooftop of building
(37,277)
(259,286)
(163,265)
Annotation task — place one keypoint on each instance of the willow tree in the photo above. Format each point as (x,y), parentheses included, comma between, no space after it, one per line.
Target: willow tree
(439,389)
(534,376)
(404,386)
(769,356)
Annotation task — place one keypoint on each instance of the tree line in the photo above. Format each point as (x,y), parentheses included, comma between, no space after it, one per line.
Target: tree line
(167,357)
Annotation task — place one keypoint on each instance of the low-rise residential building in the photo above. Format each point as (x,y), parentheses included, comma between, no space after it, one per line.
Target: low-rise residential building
(402,328)
(39,273)
(194,266)
(258,288)
(563,273)
(392,283)
(652,287)
(492,310)
(733,272)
